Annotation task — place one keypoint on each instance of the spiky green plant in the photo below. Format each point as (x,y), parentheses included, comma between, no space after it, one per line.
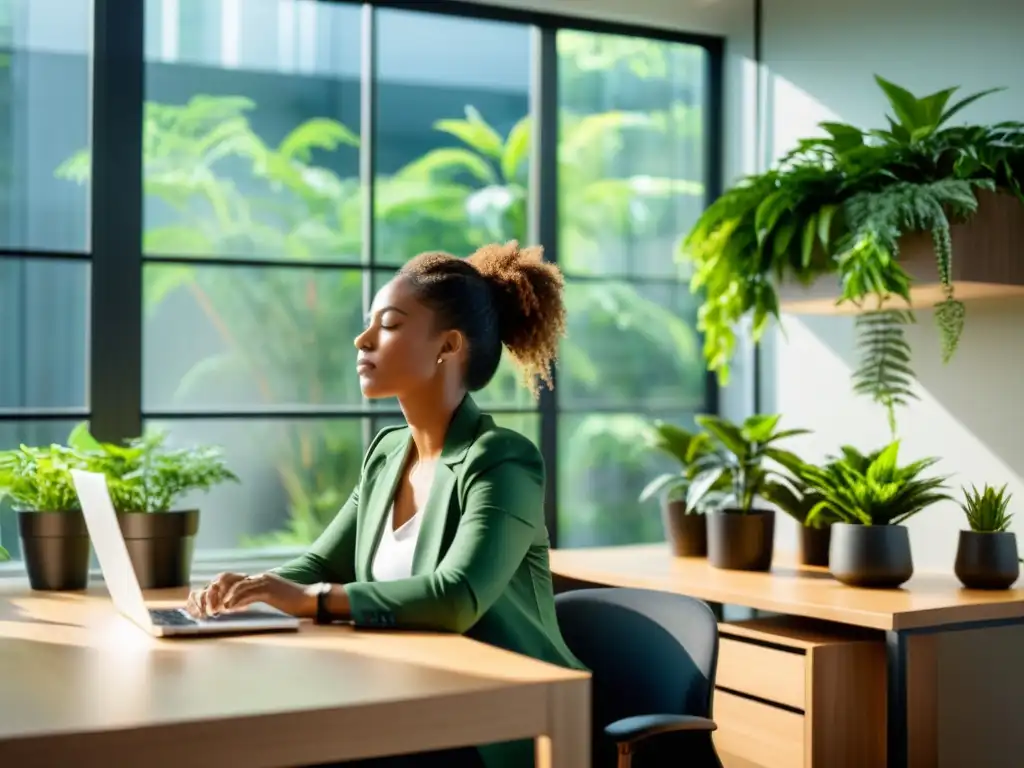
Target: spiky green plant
(986,509)
(735,471)
(839,205)
(686,448)
(872,489)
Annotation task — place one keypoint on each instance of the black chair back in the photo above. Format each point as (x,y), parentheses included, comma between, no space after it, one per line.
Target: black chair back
(650,653)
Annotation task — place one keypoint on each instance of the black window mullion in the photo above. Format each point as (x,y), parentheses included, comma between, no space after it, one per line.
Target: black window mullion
(543,229)
(367,172)
(118,90)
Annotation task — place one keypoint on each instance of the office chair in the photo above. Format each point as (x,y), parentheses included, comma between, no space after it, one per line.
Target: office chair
(653,657)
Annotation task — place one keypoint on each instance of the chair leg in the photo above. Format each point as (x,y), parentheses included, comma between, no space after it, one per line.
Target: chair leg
(625,756)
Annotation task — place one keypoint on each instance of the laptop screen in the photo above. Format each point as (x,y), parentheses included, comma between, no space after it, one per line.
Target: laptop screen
(107,541)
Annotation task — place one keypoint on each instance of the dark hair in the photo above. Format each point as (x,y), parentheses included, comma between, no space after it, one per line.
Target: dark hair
(502,294)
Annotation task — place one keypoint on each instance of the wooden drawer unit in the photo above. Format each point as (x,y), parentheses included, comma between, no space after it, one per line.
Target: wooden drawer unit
(793,693)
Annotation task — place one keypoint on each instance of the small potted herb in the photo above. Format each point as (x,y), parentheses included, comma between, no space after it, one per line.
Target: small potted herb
(685,527)
(146,479)
(796,499)
(733,479)
(871,496)
(54,539)
(986,556)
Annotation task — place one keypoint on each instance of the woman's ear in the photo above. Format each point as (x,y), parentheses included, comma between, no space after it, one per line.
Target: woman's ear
(453,344)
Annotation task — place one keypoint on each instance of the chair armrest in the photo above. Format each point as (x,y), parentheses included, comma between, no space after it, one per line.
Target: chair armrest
(629,730)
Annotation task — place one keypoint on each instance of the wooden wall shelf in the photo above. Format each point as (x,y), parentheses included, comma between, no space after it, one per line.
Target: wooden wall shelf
(988,263)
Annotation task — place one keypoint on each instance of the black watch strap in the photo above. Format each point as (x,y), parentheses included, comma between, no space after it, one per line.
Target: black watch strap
(323,616)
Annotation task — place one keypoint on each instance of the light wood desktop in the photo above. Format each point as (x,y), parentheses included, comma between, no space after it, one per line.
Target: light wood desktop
(927,675)
(81,686)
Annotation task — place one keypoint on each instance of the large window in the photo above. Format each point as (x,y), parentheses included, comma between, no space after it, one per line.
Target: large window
(295,153)
(44,245)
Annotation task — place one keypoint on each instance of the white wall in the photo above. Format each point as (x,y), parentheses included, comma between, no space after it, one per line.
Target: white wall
(821,58)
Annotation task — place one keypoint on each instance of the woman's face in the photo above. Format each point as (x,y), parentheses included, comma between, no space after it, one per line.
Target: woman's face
(400,348)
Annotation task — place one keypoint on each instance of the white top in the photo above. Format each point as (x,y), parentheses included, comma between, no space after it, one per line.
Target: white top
(393,559)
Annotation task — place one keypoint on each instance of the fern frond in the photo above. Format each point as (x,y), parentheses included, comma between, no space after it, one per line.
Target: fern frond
(881,218)
(884,373)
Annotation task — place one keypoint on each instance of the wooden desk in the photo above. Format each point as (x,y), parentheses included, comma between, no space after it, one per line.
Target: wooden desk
(944,645)
(81,686)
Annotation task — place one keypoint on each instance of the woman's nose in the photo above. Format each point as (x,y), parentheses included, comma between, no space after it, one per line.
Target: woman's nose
(362,341)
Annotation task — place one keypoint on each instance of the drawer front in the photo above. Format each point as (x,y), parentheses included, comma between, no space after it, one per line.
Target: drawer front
(763,672)
(760,734)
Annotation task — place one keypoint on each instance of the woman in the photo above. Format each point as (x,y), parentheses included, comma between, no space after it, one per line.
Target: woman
(445,529)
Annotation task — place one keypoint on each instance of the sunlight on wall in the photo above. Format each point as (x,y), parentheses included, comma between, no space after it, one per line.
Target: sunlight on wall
(811,382)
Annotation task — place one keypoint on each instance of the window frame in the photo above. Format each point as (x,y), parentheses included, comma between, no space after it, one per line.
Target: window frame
(115,408)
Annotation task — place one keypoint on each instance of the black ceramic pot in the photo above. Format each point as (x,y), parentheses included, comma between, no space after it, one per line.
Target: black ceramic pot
(741,541)
(875,556)
(987,560)
(687,534)
(55,546)
(814,545)
(160,545)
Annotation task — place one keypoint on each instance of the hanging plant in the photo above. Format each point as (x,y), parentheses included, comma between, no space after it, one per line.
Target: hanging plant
(838,205)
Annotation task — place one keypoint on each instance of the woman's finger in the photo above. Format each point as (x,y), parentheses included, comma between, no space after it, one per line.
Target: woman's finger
(244,587)
(245,594)
(192,605)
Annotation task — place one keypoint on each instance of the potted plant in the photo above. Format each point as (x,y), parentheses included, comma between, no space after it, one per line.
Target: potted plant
(146,479)
(871,496)
(796,499)
(986,555)
(54,539)
(685,527)
(732,480)
(846,208)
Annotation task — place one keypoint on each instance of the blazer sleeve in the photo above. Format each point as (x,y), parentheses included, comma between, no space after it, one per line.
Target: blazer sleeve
(501,517)
(332,556)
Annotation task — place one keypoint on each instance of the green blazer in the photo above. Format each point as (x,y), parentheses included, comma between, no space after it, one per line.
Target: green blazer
(480,566)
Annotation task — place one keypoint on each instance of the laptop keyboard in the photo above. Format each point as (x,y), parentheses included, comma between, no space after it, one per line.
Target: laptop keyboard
(171,617)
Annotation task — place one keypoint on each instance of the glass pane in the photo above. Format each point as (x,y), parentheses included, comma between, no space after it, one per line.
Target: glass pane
(629,345)
(232,336)
(526,424)
(603,464)
(452,134)
(44,124)
(251,149)
(295,476)
(44,321)
(631,151)
(13,434)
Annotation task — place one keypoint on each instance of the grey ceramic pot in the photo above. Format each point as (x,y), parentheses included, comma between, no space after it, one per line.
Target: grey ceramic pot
(55,546)
(987,560)
(160,545)
(741,541)
(875,556)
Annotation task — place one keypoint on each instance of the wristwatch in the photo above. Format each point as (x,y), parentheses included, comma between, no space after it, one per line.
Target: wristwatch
(323,616)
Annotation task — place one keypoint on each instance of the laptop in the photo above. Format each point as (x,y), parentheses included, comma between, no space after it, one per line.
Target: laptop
(123,584)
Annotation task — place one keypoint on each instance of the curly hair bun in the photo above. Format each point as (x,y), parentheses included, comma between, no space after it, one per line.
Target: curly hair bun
(531,310)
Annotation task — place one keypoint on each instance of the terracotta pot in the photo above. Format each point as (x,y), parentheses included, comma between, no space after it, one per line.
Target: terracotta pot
(687,533)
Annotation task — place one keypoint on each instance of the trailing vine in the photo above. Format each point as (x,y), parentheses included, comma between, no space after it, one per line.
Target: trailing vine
(838,205)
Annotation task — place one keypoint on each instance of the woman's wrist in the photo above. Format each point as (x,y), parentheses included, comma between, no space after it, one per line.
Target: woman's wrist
(326,603)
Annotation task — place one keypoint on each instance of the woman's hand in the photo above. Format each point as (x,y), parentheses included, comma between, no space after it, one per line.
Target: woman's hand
(209,601)
(294,599)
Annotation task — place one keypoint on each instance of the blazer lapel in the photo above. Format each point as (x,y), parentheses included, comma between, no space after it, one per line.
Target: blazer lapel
(437,517)
(375,510)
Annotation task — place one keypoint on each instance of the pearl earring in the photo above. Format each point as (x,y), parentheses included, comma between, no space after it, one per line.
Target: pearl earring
(439,361)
